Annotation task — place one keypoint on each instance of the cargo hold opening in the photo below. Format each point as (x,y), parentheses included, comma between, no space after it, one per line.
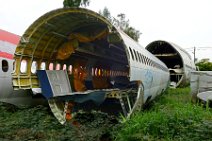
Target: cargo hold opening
(166,53)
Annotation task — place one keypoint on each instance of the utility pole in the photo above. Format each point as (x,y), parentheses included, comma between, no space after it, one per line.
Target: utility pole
(194,54)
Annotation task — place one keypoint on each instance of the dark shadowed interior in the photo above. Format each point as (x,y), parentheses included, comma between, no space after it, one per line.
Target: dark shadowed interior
(168,54)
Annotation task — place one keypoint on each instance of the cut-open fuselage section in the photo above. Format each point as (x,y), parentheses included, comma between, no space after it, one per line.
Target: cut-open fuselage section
(170,56)
(84,44)
(88,47)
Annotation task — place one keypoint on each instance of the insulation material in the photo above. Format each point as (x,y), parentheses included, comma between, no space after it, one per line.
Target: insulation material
(67,49)
(79,79)
(89,36)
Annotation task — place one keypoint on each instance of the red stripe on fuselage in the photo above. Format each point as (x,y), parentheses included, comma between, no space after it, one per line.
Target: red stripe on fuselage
(6,55)
(9,37)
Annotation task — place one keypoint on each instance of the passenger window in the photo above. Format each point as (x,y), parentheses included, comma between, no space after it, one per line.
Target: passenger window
(135,55)
(92,72)
(111,73)
(145,60)
(70,69)
(148,61)
(64,67)
(5,65)
(96,71)
(23,68)
(108,73)
(138,54)
(58,66)
(51,66)
(131,53)
(34,67)
(142,59)
(43,66)
(114,73)
(99,72)
(105,73)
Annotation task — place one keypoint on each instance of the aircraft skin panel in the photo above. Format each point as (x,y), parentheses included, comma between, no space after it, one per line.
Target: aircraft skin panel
(9,37)
(151,77)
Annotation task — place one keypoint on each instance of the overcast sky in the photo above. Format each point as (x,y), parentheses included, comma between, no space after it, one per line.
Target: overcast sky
(187,23)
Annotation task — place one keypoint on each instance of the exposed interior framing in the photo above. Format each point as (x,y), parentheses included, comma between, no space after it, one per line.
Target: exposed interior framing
(170,56)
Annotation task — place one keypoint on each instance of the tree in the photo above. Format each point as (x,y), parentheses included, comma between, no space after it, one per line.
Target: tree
(121,23)
(124,25)
(204,65)
(106,14)
(133,33)
(75,3)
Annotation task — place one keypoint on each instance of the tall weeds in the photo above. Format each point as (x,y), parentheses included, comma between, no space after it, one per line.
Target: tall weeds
(170,117)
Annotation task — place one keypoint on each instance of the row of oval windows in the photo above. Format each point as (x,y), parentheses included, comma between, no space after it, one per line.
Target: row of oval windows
(145,60)
(23,69)
(94,71)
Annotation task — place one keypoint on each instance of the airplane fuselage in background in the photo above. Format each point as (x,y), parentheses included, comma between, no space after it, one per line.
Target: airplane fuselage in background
(8,43)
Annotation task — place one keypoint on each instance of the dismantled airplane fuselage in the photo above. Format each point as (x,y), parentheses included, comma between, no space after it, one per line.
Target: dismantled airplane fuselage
(176,59)
(76,58)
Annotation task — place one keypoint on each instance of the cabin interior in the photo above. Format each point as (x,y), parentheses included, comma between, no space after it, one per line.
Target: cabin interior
(93,53)
(167,54)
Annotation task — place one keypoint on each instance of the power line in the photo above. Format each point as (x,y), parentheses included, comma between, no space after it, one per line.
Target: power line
(198,48)
(194,49)
(194,54)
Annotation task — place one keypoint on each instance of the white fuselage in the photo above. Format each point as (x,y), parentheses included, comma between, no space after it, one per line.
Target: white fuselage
(8,42)
(145,67)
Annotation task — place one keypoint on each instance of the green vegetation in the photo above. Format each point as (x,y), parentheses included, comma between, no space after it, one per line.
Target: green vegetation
(38,123)
(75,3)
(170,117)
(121,22)
(204,65)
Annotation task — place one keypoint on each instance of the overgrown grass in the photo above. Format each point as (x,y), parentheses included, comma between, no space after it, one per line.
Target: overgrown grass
(171,117)
(38,123)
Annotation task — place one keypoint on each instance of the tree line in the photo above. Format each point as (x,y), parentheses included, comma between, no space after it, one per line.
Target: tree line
(204,65)
(120,21)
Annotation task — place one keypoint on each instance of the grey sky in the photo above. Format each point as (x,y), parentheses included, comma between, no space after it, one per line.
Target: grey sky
(187,23)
